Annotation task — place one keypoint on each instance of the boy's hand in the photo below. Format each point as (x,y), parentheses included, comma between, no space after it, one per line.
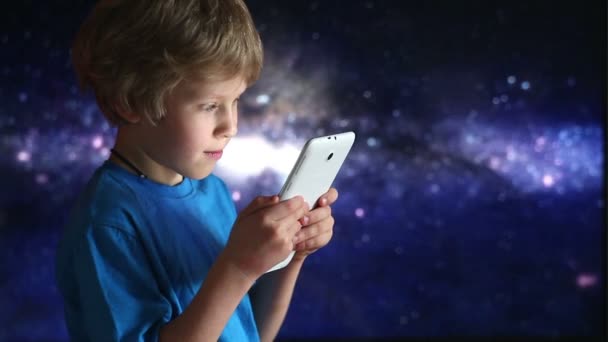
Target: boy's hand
(263,234)
(318,229)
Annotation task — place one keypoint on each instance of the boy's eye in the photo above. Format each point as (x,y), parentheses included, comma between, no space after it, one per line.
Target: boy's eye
(209,107)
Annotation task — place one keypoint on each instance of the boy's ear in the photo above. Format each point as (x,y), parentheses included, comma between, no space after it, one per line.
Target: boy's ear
(127,115)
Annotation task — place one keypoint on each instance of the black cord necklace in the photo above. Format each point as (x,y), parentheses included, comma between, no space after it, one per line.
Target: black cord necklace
(126,161)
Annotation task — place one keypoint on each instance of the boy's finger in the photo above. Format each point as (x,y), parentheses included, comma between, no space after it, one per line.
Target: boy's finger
(306,233)
(287,208)
(258,203)
(294,215)
(294,229)
(316,215)
(328,198)
(315,242)
(311,231)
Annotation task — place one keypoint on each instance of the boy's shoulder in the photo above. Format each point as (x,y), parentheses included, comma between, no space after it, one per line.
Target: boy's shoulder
(106,199)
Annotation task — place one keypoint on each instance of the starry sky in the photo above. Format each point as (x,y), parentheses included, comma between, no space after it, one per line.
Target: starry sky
(473,200)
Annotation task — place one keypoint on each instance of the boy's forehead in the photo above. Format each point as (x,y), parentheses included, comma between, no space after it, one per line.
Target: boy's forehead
(208,88)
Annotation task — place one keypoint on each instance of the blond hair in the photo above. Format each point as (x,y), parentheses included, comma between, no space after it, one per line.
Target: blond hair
(133,53)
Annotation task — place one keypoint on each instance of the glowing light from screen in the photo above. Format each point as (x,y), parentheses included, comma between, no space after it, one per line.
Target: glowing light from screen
(250,156)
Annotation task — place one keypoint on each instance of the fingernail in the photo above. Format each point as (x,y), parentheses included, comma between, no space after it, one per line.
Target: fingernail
(324,201)
(305,220)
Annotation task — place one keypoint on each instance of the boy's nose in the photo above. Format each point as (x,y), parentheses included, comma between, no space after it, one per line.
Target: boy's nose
(227,126)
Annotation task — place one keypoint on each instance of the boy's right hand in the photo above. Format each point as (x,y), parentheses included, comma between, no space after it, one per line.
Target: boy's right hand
(263,233)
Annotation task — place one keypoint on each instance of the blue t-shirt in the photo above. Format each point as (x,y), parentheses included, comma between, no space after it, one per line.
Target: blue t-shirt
(135,253)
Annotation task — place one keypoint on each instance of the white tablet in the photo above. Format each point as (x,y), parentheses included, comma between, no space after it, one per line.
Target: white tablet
(314,171)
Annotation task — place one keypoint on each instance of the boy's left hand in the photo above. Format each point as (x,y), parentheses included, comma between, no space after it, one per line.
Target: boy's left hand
(318,230)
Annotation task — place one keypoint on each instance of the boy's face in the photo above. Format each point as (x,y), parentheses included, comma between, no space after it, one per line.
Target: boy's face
(201,119)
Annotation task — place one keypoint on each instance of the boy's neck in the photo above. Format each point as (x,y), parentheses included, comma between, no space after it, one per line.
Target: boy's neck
(136,155)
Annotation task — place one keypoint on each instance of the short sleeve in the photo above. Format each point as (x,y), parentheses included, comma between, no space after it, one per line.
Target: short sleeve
(120,298)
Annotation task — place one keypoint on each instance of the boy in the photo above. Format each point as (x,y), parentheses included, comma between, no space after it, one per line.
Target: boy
(153,249)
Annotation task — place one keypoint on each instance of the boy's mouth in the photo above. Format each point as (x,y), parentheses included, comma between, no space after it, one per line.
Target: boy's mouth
(216,155)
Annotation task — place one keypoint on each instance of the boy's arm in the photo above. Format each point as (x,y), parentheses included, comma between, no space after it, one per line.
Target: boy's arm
(261,236)
(272,293)
(270,298)
(208,313)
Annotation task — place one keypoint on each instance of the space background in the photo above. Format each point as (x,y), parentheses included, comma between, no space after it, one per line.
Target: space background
(472,203)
